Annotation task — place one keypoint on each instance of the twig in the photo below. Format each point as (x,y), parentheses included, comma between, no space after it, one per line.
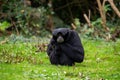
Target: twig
(89,14)
(4,41)
(102,14)
(15,27)
(114,7)
(88,20)
(73,26)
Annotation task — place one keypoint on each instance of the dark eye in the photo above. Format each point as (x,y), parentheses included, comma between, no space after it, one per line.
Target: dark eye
(54,37)
(66,36)
(59,34)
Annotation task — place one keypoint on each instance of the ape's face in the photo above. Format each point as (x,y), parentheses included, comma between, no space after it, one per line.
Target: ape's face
(60,35)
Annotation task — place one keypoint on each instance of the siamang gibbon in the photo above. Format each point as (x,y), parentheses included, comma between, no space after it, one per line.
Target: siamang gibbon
(65,47)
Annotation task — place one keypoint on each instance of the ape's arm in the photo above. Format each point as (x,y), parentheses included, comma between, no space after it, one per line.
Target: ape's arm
(54,58)
(75,53)
(51,51)
(50,47)
(73,47)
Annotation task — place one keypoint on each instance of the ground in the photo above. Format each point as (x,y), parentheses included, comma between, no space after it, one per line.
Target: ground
(21,60)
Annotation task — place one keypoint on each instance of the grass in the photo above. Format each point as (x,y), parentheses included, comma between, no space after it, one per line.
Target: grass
(23,61)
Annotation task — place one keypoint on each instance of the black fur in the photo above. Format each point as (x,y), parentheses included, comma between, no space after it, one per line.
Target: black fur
(67,52)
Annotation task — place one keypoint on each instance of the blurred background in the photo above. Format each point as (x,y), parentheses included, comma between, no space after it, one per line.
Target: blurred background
(98,19)
(25,32)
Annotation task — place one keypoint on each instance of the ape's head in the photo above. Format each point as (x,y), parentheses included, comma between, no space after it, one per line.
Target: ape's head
(60,35)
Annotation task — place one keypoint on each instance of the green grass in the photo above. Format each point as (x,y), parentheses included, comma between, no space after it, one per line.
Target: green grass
(22,61)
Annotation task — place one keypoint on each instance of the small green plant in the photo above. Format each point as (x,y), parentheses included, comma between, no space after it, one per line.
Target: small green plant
(107,8)
(77,22)
(4,25)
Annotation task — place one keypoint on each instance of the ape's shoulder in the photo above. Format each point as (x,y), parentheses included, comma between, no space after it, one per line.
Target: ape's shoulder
(73,33)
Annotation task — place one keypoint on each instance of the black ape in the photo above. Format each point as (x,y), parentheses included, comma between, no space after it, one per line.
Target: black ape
(65,47)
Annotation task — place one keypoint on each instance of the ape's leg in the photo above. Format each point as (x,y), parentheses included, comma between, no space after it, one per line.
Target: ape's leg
(54,58)
(65,60)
